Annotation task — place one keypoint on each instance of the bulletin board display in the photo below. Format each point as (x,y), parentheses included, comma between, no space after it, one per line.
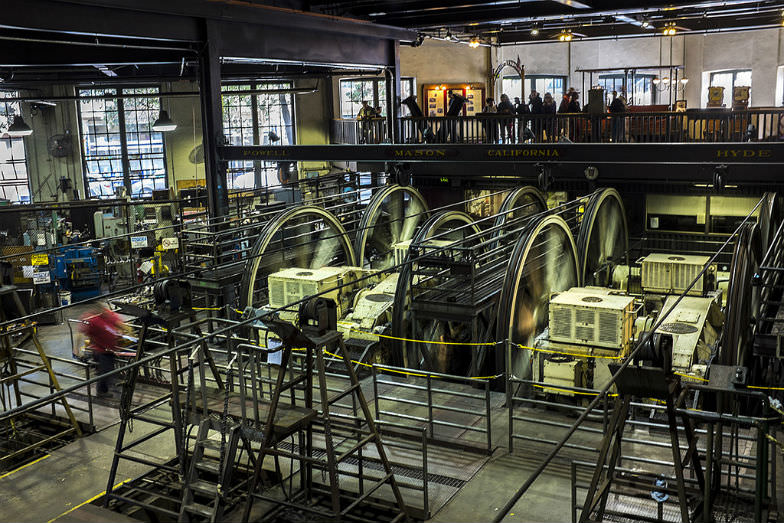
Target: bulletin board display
(436,100)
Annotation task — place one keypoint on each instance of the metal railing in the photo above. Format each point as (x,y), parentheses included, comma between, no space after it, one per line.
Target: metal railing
(352,131)
(707,125)
(433,411)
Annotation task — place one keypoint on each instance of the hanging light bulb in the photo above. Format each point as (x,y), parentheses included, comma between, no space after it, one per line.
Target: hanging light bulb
(534,31)
(164,124)
(19,128)
(474,43)
(656,81)
(565,36)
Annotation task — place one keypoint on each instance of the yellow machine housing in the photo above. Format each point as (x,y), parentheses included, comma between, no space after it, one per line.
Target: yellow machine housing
(672,274)
(592,316)
(294,284)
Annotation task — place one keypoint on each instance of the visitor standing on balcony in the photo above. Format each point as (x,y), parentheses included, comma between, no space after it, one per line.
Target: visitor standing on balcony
(618,119)
(364,116)
(522,111)
(537,109)
(574,107)
(506,108)
(548,107)
(490,110)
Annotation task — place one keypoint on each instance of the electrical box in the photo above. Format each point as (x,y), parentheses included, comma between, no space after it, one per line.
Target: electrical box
(672,274)
(592,316)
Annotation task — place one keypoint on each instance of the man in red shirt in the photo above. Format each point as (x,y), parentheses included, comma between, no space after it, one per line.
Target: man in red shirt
(103,328)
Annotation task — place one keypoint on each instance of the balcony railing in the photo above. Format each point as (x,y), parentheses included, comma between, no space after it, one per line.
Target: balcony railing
(691,126)
(706,125)
(349,131)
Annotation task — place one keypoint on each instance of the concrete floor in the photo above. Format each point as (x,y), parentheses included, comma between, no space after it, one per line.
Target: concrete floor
(77,472)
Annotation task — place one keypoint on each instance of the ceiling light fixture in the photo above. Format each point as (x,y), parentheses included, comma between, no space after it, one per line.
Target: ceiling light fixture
(645,23)
(164,124)
(534,31)
(19,128)
(565,36)
(669,29)
(474,43)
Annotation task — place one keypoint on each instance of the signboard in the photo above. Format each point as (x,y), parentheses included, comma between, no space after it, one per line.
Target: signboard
(39,278)
(170,243)
(138,242)
(39,259)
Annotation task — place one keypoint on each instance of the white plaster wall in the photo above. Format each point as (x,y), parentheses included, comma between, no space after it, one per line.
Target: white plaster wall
(761,50)
(436,61)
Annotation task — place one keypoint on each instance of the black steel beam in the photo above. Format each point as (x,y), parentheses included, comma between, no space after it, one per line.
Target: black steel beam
(212,122)
(43,54)
(97,21)
(247,12)
(758,153)
(468,13)
(242,40)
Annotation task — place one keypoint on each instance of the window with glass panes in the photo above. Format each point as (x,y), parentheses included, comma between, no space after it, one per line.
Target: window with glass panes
(354,91)
(252,118)
(13,160)
(642,94)
(729,80)
(510,85)
(119,147)
(407,88)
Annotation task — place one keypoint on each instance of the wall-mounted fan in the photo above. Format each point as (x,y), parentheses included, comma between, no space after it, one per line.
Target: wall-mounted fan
(60,145)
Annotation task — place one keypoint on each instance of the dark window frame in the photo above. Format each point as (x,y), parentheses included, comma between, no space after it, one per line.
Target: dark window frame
(125,160)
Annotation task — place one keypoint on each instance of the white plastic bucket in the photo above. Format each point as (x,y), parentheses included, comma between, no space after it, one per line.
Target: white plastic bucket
(65,298)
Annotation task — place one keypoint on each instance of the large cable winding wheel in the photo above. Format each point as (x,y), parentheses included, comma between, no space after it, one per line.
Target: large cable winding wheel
(520,203)
(543,261)
(306,237)
(392,216)
(737,335)
(452,226)
(603,240)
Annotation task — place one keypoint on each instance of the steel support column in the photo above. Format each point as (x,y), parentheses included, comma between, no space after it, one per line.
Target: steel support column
(212,122)
(393,92)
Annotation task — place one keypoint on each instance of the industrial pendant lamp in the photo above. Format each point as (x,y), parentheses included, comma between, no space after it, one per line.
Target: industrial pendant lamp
(19,128)
(164,124)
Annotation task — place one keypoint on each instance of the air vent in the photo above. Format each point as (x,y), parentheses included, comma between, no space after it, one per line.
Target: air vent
(561,324)
(608,327)
(276,295)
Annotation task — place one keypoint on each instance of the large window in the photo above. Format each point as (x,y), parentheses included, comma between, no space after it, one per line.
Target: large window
(372,90)
(120,149)
(554,85)
(729,80)
(407,88)
(353,92)
(640,92)
(13,164)
(257,119)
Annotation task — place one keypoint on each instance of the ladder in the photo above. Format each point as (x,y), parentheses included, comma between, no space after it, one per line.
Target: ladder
(141,413)
(11,308)
(315,345)
(199,481)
